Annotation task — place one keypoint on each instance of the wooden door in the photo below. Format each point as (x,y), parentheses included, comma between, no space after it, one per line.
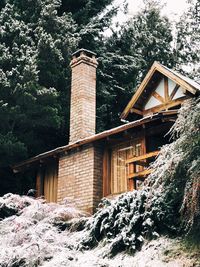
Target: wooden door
(119,169)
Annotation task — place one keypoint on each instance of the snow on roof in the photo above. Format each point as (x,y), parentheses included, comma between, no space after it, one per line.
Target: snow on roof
(186,79)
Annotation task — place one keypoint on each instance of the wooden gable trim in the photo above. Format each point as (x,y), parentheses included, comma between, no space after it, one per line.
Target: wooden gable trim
(137,111)
(176,79)
(138,91)
(158,97)
(166,89)
(157,67)
(174,91)
(168,105)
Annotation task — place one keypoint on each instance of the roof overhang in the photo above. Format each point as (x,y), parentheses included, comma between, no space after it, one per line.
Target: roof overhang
(55,153)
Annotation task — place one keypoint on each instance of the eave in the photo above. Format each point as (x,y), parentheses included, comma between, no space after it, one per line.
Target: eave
(94,138)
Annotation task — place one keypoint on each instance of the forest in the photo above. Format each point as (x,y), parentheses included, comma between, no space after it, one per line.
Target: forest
(36,42)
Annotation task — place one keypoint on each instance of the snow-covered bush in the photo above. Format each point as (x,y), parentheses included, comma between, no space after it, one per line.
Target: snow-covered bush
(123,222)
(177,169)
(31,233)
(170,200)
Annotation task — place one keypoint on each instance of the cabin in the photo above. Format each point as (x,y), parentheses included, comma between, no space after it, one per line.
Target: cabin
(92,166)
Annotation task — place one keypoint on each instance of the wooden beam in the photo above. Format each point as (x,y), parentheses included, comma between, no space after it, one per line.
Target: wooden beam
(170,112)
(176,79)
(158,97)
(137,111)
(171,104)
(106,173)
(39,181)
(131,182)
(155,85)
(174,91)
(156,67)
(139,174)
(166,90)
(142,157)
(142,163)
(169,119)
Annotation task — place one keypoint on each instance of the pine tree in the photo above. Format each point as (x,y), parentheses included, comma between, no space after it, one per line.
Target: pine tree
(127,56)
(83,11)
(35,44)
(188,41)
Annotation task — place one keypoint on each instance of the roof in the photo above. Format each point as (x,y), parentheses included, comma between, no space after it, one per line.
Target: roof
(94,138)
(191,82)
(159,69)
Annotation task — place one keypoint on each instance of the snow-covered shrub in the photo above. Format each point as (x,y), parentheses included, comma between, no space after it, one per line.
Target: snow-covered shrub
(11,204)
(125,222)
(170,200)
(31,233)
(177,169)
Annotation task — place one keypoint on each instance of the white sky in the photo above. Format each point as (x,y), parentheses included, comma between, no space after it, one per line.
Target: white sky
(173,8)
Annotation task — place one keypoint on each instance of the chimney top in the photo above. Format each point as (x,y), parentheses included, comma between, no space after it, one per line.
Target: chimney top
(83,56)
(84,52)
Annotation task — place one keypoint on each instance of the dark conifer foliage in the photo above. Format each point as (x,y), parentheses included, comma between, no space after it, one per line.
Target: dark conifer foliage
(188,41)
(127,56)
(37,39)
(83,10)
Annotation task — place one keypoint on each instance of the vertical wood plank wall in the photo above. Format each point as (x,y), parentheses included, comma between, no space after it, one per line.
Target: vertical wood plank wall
(47,182)
(115,169)
(106,172)
(39,182)
(51,183)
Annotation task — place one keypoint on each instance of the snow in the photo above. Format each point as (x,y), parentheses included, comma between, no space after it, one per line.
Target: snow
(30,236)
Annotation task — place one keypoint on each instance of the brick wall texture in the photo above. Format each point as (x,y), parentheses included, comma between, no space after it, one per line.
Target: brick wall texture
(83,98)
(80,177)
(80,171)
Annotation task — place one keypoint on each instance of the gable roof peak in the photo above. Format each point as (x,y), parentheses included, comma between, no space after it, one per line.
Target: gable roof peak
(157,68)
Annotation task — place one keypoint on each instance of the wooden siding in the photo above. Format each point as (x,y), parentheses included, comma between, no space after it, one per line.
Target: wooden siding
(46,182)
(51,183)
(119,169)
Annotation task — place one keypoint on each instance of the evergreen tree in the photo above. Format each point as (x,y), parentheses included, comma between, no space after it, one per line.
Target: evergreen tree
(127,56)
(188,41)
(83,10)
(35,44)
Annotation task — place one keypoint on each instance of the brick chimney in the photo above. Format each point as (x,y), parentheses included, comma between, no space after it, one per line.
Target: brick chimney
(83,95)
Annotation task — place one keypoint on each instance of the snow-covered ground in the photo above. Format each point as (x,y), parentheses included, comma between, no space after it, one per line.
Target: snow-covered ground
(151,255)
(34,233)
